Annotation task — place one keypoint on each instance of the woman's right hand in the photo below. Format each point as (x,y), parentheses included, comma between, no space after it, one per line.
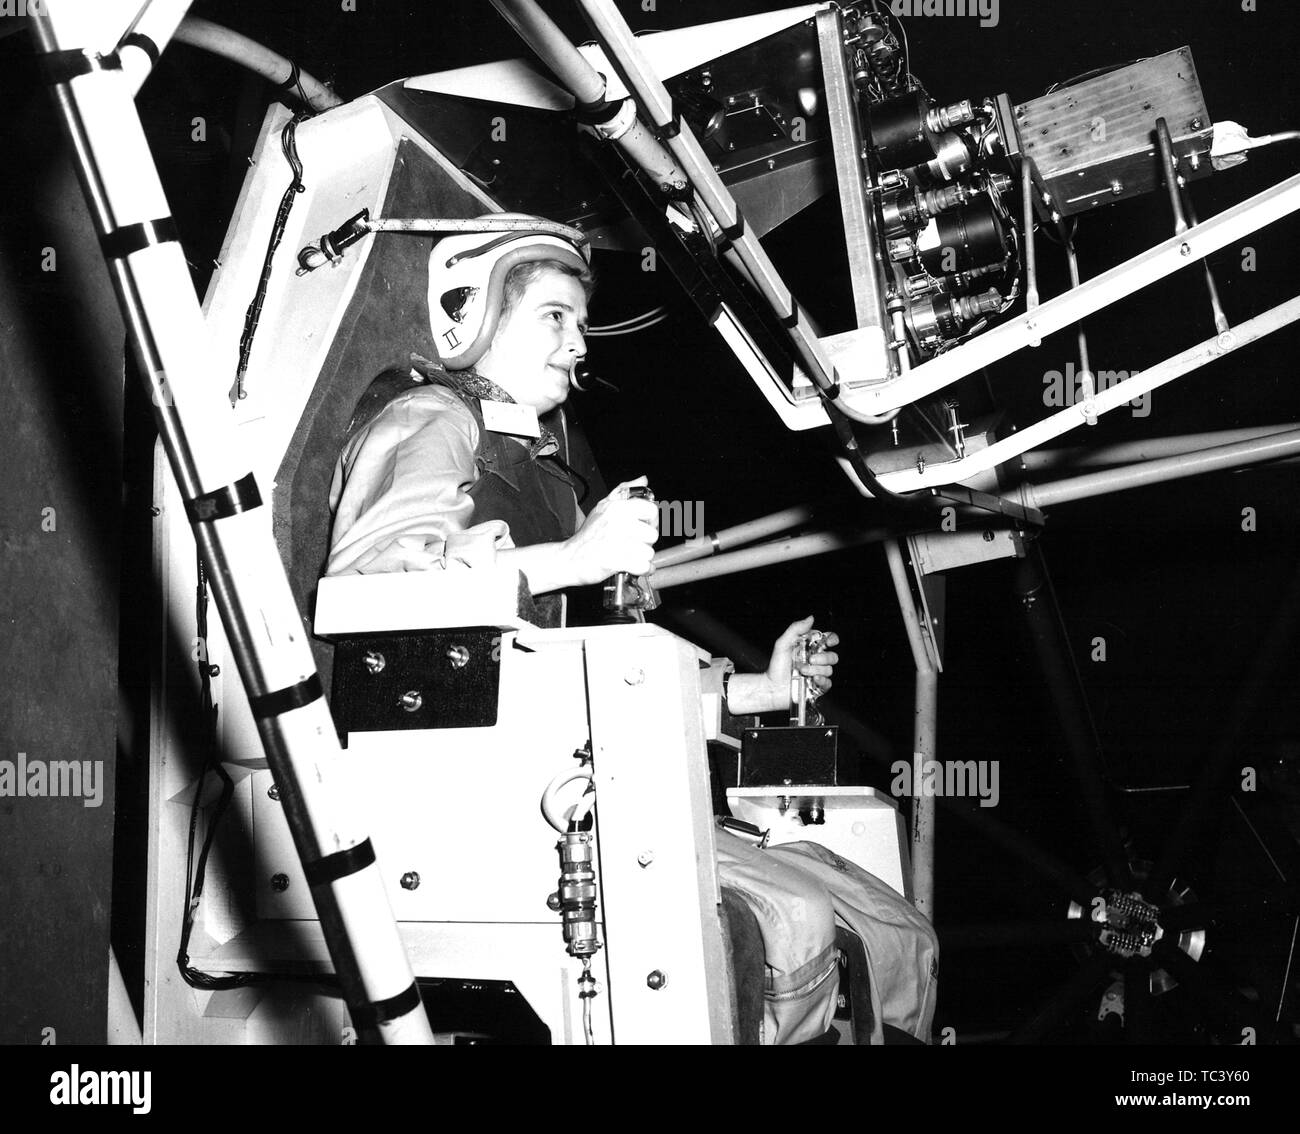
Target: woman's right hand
(618,535)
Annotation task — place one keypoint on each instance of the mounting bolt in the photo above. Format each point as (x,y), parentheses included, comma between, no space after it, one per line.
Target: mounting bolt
(656,979)
(410,880)
(1117,187)
(273,791)
(553,901)
(279,883)
(634,676)
(411,701)
(1197,123)
(646,857)
(374,661)
(458,656)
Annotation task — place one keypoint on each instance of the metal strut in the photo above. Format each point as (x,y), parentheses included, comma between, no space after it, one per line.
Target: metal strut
(120,181)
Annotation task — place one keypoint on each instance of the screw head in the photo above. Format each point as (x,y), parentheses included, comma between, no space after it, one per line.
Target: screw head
(273,792)
(553,901)
(1185,249)
(279,883)
(411,701)
(374,661)
(988,536)
(458,656)
(410,880)
(646,857)
(656,979)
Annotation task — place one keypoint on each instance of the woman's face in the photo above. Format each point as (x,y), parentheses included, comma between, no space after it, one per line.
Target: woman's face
(539,342)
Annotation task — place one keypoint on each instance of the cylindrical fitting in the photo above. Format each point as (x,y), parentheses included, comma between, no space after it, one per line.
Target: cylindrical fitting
(577,893)
(943,118)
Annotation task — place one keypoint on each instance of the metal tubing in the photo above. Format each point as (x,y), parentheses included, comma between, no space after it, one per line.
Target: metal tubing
(250,54)
(157,24)
(953,472)
(778,551)
(924,808)
(1085,368)
(1221,323)
(248,580)
(711,543)
(1031,252)
(1269,448)
(1165,144)
(624,53)
(554,49)
(1038,603)
(587,85)
(924,729)
(1182,209)
(1126,452)
(1098,292)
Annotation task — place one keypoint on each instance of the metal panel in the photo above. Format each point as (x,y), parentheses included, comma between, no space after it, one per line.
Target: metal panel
(846,139)
(1094,142)
(654,822)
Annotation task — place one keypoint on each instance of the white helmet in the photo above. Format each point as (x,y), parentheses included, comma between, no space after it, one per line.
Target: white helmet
(467,275)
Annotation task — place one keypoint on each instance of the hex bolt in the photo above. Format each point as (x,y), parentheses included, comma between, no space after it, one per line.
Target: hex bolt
(411,701)
(410,880)
(273,791)
(458,656)
(634,676)
(279,883)
(656,979)
(374,661)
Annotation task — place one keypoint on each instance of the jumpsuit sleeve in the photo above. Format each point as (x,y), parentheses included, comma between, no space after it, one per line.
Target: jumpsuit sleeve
(400,495)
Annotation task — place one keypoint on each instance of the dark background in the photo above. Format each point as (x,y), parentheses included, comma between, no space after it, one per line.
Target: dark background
(1182,595)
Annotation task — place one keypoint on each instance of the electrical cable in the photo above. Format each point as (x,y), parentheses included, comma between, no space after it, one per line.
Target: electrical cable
(607,332)
(253,316)
(196,875)
(587,1031)
(1096,72)
(553,817)
(849,444)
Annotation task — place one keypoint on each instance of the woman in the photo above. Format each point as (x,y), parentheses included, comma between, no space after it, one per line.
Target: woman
(465,462)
